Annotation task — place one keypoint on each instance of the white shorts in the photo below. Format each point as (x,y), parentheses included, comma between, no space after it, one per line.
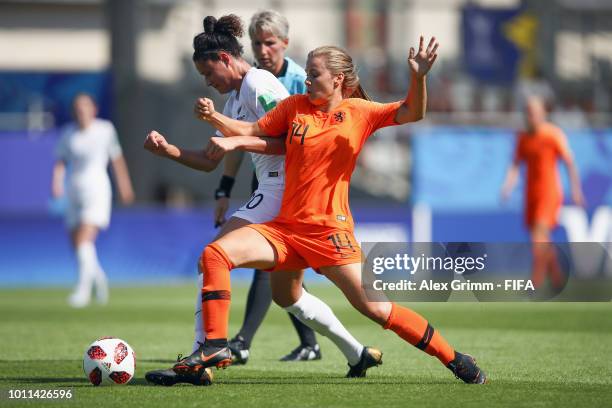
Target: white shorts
(263,206)
(89,211)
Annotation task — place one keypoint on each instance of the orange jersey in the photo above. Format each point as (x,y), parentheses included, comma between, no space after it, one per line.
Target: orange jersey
(540,152)
(322,149)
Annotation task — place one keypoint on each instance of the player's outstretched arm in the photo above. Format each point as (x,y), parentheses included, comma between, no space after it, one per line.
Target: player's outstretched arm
(575,184)
(57,179)
(219,146)
(196,159)
(122,176)
(568,159)
(510,181)
(205,110)
(419,62)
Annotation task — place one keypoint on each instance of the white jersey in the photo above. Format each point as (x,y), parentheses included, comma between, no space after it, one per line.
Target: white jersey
(260,92)
(86,153)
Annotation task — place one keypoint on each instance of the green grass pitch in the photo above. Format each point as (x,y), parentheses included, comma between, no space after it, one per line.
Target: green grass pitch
(536,354)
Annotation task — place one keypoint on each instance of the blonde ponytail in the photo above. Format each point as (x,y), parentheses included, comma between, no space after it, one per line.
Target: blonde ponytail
(360,93)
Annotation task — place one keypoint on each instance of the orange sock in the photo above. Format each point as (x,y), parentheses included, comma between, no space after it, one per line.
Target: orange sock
(216,291)
(539,263)
(557,277)
(413,328)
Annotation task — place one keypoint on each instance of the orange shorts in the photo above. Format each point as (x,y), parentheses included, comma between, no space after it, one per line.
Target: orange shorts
(542,212)
(299,246)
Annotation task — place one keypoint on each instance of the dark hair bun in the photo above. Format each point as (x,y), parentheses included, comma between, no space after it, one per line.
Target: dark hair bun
(209,24)
(218,35)
(230,24)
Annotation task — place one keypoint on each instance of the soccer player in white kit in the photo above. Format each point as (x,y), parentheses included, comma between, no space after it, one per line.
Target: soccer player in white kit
(85,149)
(218,57)
(269,35)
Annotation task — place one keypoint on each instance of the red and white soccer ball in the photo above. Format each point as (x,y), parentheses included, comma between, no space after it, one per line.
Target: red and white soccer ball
(109,361)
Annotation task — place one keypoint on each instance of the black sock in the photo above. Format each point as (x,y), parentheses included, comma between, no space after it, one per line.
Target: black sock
(306,334)
(215,343)
(258,302)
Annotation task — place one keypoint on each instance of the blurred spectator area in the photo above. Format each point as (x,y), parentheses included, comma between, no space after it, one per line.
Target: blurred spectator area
(135,58)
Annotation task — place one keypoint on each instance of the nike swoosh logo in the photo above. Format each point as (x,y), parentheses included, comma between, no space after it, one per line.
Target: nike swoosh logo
(206,358)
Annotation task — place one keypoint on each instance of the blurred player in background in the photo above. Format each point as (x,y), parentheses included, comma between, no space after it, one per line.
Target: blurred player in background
(269,33)
(540,146)
(85,149)
(218,57)
(323,133)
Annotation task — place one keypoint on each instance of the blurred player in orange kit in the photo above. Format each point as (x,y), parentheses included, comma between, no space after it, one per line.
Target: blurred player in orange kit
(540,146)
(322,133)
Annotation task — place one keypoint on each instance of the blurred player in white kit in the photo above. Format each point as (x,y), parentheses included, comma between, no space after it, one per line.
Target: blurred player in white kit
(83,153)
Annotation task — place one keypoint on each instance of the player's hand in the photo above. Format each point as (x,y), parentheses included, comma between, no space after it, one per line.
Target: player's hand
(156,143)
(204,108)
(421,61)
(127,197)
(218,146)
(221,207)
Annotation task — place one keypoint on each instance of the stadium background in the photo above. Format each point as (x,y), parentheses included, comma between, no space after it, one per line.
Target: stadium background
(438,180)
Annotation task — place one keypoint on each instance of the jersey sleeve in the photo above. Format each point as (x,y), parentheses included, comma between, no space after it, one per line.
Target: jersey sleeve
(380,115)
(276,122)
(263,92)
(266,100)
(114,148)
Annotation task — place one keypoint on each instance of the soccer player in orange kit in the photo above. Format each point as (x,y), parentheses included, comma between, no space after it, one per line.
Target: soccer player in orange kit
(540,146)
(325,131)
(252,92)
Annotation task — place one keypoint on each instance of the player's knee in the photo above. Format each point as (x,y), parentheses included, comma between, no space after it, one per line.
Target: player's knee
(283,297)
(213,254)
(540,232)
(376,311)
(202,261)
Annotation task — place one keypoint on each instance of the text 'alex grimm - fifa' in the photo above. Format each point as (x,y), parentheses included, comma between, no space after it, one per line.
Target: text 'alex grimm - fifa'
(456,284)
(458,265)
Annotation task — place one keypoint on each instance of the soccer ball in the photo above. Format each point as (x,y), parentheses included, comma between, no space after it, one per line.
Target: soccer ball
(109,361)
